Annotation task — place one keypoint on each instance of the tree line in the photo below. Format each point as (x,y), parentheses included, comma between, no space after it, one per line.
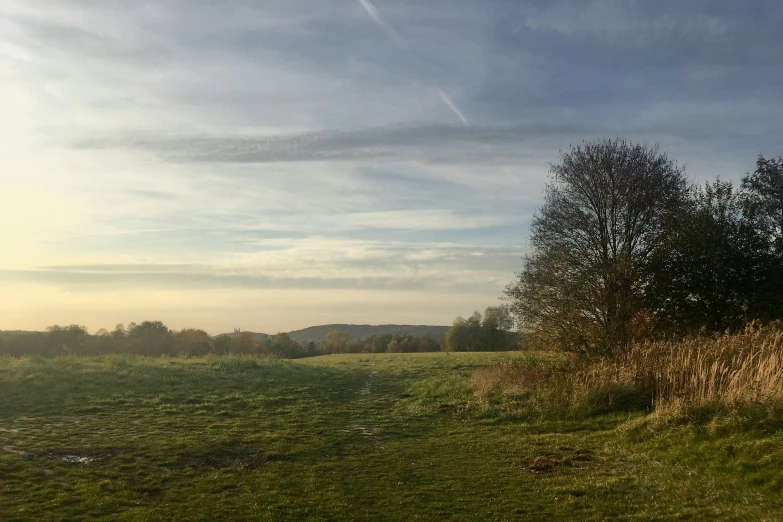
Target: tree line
(153,338)
(146,338)
(626,248)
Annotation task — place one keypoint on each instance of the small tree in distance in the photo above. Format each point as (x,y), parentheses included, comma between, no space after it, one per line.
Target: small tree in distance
(71,339)
(336,341)
(477,334)
(150,338)
(243,343)
(192,341)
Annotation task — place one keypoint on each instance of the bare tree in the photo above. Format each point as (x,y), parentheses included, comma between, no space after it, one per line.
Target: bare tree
(606,212)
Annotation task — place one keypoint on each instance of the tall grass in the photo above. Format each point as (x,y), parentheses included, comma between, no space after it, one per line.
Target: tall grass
(738,373)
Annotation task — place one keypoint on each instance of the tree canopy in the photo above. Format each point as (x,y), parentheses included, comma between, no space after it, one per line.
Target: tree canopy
(608,207)
(625,248)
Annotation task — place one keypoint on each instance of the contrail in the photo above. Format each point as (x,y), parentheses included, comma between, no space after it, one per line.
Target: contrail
(381,22)
(454,108)
(397,39)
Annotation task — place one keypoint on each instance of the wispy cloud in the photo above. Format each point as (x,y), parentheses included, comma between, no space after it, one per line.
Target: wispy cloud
(428,142)
(312,262)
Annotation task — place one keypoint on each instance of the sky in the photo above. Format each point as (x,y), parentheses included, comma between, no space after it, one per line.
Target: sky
(275,165)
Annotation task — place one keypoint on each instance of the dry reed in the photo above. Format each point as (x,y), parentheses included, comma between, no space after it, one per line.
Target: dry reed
(740,373)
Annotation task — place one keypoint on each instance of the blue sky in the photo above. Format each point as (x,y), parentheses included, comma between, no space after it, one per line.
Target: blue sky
(273,165)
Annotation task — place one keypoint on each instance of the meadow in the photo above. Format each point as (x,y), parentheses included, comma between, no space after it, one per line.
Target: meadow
(354,437)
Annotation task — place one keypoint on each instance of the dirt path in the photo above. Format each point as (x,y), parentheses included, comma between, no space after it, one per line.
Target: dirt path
(368,393)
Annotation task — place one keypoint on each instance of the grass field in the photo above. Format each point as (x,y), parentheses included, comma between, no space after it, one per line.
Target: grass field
(349,437)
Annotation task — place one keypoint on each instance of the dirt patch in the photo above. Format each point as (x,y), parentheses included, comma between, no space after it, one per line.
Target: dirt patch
(77,457)
(238,457)
(210,459)
(449,408)
(552,462)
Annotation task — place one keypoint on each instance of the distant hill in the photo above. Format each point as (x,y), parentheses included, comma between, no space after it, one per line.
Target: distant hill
(359,331)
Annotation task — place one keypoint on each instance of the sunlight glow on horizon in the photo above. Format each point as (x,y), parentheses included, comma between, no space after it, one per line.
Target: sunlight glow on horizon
(280,166)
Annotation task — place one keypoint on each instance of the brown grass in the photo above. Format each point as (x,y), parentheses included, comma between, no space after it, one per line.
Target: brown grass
(731,373)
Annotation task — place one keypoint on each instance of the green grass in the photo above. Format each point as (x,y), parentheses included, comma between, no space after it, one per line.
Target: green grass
(348,437)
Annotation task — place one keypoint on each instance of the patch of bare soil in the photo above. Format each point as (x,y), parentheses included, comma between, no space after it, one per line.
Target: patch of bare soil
(552,462)
(451,408)
(241,457)
(76,456)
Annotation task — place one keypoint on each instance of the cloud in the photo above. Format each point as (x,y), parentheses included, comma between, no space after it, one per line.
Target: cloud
(438,143)
(638,25)
(313,262)
(287,145)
